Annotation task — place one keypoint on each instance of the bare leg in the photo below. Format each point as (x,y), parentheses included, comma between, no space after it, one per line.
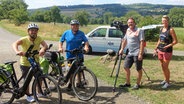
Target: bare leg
(127,71)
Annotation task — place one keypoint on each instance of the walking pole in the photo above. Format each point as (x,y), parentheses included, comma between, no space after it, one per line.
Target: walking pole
(146,74)
(116,59)
(117,72)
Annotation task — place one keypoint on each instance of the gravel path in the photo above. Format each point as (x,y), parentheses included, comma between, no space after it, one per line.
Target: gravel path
(104,94)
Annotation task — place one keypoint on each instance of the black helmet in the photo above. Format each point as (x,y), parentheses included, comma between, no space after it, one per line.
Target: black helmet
(74,22)
(32,26)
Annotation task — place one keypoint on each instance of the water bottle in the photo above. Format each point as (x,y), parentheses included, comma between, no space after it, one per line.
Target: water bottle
(63,68)
(68,67)
(33,64)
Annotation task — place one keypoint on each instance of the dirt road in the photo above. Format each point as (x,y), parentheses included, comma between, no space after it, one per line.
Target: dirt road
(103,96)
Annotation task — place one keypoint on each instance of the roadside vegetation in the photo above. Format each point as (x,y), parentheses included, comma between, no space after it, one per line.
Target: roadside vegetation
(151,91)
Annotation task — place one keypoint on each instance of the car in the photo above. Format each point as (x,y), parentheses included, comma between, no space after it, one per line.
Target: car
(103,38)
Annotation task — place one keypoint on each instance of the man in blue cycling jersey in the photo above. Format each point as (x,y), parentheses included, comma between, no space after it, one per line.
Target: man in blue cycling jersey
(74,39)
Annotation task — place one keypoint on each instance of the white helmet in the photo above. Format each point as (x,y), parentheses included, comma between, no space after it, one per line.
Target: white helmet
(74,22)
(32,26)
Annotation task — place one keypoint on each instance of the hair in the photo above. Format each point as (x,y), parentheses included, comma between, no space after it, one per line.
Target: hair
(131,19)
(166,17)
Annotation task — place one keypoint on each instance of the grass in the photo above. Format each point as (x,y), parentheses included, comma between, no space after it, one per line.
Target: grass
(151,91)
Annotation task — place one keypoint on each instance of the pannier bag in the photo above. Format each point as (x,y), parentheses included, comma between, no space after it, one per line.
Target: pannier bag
(48,58)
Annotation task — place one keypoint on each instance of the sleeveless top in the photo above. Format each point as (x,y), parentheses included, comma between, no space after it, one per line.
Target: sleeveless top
(165,39)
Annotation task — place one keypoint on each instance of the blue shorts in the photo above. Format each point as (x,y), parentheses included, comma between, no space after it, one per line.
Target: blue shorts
(129,60)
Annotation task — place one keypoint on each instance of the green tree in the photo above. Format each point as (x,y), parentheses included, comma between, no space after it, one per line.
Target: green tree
(37,16)
(83,17)
(55,14)
(15,10)
(107,17)
(135,15)
(176,17)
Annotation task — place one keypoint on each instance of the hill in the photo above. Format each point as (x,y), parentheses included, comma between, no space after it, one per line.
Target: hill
(116,9)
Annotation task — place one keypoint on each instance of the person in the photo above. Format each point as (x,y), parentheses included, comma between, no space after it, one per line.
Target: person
(164,47)
(134,39)
(74,39)
(25,43)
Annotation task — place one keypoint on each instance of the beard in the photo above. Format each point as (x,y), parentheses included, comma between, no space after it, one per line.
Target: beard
(33,36)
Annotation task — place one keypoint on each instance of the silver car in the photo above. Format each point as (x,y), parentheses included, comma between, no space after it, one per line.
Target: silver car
(103,38)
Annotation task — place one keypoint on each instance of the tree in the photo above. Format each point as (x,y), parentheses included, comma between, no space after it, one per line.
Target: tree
(82,16)
(15,10)
(107,17)
(176,17)
(55,14)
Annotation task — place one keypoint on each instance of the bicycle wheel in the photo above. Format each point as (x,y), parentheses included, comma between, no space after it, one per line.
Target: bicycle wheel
(43,90)
(84,84)
(6,88)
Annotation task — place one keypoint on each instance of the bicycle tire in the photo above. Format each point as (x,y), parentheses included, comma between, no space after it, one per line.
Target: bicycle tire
(6,88)
(86,88)
(43,92)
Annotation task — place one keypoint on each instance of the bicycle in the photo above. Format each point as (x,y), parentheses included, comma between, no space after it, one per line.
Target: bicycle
(11,88)
(84,82)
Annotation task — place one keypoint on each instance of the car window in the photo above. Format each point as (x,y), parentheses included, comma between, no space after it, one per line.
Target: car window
(99,32)
(115,33)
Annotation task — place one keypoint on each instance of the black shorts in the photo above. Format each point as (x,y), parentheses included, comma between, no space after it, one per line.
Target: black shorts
(129,60)
(25,70)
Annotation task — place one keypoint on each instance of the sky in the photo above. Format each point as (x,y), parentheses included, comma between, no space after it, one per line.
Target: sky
(34,4)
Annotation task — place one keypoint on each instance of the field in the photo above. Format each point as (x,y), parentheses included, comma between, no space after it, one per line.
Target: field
(151,90)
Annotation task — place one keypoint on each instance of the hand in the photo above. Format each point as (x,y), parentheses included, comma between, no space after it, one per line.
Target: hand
(155,53)
(20,53)
(41,52)
(140,57)
(120,52)
(86,49)
(60,50)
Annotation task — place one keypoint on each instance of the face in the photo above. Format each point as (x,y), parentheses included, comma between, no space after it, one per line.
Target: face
(33,33)
(165,22)
(75,27)
(131,23)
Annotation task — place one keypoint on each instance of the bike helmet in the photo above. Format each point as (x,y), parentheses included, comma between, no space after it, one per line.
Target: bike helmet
(74,22)
(32,26)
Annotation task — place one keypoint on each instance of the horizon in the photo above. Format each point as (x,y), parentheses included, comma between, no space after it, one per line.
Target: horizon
(49,3)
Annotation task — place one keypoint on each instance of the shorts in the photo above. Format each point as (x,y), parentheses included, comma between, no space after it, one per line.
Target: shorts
(129,60)
(164,55)
(25,70)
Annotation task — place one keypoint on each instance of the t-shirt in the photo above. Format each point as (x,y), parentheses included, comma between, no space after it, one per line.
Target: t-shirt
(25,45)
(73,41)
(133,40)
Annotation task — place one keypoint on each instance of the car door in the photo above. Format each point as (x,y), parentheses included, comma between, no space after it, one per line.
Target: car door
(114,39)
(97,40)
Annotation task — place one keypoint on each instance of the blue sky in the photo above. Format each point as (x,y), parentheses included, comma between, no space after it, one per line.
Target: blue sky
(45,3)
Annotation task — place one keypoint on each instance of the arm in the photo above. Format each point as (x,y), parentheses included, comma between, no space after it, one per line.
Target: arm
(123,44)
(175,40)
(60,47)
(44,47)
(16,49)
(86,46)
(141,50)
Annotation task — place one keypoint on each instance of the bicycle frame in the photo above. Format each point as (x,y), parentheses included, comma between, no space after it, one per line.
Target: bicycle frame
(33,71)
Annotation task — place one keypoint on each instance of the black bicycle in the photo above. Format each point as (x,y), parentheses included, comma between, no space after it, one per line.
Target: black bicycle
(84,82)
(11,87)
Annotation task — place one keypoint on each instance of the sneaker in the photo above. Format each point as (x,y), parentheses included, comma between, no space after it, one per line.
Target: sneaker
(30,99)
(124,85)
(136,87)
(69,87)
(166,85)
(163,82)
(40,95)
